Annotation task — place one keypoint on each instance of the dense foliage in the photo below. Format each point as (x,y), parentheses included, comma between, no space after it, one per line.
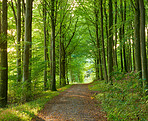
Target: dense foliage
(47,44)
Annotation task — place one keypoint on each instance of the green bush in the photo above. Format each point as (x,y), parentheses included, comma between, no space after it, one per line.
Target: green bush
(122,101)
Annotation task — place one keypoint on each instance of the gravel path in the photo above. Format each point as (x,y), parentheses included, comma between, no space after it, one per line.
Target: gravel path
(74,104)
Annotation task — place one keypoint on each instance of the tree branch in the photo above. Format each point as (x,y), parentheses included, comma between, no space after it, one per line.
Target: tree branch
(72,35)
(14,13)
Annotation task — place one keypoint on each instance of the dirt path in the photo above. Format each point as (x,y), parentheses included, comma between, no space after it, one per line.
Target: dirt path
(74,104)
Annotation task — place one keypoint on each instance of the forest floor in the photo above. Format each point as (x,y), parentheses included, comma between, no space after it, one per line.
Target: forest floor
(75,104)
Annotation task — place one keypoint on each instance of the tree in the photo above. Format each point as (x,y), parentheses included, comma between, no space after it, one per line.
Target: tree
(18,40)
(103,48)
(4,58)
(120,34)
(116,11)
(53,84)
(99,61)
(143,45)
(110,58)
(28,30)
(137,39)
(45,44)
(124,47)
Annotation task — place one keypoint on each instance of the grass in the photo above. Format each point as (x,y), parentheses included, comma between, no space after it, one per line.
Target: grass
(122,101)
(27,111)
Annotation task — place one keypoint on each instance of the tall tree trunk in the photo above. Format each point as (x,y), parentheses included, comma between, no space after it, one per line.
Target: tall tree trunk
(45,45)
(124,47)
(103,48)
(110,58)
(18,61)
(121,35)
(53,84)
(106,27)
(116,63)
(4,59)
(143,45)
(97,39)
(60,55)
(28,26)
(23,29)
(137,39)
(133,51)
(30,53)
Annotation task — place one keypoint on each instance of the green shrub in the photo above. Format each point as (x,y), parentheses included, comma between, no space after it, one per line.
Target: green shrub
(122,101)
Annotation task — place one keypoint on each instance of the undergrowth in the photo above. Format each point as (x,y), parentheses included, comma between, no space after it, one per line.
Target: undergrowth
(27,111)
(124,100)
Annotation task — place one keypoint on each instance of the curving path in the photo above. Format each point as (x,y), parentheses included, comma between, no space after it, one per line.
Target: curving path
(74,104)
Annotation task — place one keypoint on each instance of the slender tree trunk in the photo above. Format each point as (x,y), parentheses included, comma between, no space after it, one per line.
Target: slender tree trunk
(30,53)
(120,36)
(116,62)
(100,63)
(4,59)
(60,55)
(130,57)
(134,68)
(71,72)
(23,29)
(18,61)
(63,67)
(97,68)
(97,40)
(66,70)
(110,58)
(143,45)
(28,26)
(137,39)
(103,48)
(53,84)
(133,50)
(106,27)
(124,47)
(45,46)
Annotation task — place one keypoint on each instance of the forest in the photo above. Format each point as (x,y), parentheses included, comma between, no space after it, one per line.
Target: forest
(46,46)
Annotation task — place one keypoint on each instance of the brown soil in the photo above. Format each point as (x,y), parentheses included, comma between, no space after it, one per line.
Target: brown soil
(74,104)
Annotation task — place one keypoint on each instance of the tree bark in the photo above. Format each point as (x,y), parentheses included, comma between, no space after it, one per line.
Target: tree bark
(137,39)
(26,72)
(116,37)
(97,68)
(121,35)
(106,27)
(124,47)
(110,58)
(45,45)
(143,45)
(4,59)
(97,40)
(18,61)
(103,48)
(53,84)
